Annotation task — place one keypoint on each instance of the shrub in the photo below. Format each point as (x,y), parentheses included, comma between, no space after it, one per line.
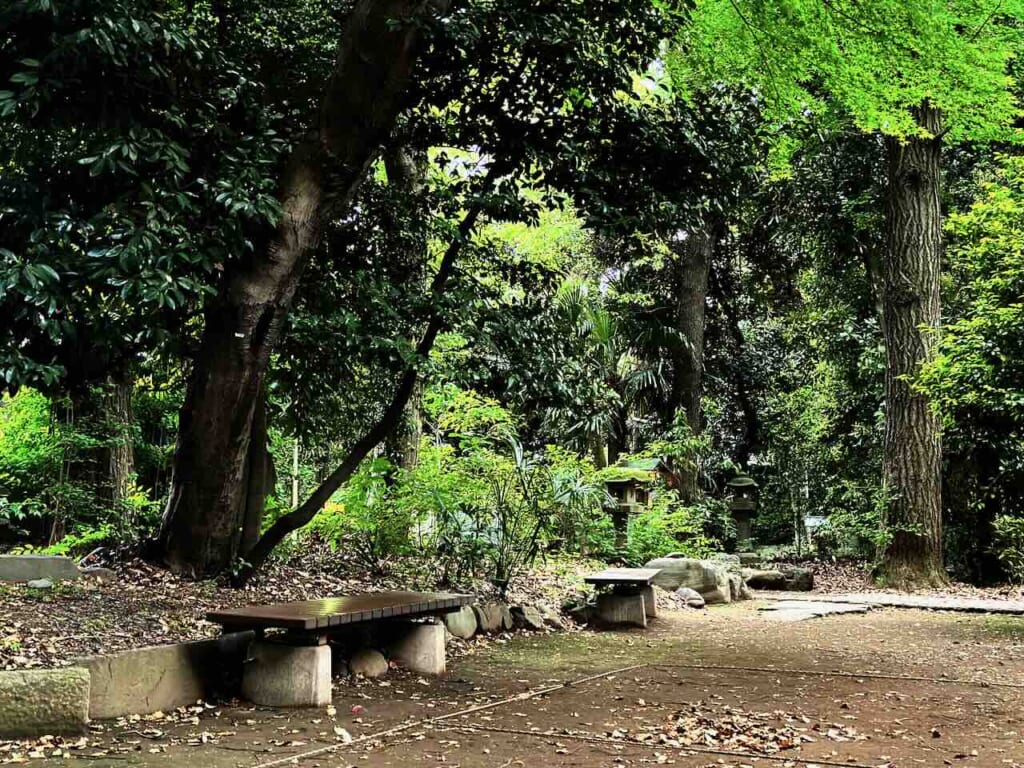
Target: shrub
(668,526)
(1008,545)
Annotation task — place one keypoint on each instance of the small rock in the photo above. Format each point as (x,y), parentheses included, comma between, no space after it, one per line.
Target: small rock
(527,617)
(461,623)
(368,663)
(691,597)
(39,584)
(99,575)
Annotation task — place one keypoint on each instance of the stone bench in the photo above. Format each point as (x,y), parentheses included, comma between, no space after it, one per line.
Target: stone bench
(292,667)
(631,599)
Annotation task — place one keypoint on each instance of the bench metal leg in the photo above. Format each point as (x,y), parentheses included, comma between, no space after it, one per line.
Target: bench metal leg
(650,602)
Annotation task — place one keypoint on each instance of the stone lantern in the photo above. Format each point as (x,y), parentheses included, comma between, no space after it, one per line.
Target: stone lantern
(743,505)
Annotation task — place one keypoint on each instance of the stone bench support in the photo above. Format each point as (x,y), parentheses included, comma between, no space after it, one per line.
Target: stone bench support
(280,675)
(614,608)
(419,647)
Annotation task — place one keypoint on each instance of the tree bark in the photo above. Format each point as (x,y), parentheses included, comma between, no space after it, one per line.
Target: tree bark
(204,523)
(912,451)
(692,264)
(407,170)
(120,459)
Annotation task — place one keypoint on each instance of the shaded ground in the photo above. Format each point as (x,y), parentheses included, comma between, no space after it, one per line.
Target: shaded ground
(836,577)
(968,712)
(150,606)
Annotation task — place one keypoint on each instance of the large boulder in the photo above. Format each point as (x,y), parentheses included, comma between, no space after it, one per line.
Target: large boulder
(489,617)
(788,578)
(757,578)
(527,617)
(797,579)
(708,578)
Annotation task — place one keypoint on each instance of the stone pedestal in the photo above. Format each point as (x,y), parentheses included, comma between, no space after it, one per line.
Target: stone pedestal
(281,675)
(419,647)
(650,602)
(622,609)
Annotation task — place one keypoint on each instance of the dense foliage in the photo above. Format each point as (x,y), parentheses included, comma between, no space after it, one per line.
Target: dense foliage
(591,237)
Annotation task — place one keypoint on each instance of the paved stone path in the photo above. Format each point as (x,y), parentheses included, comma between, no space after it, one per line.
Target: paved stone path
(889,600)
(802,610)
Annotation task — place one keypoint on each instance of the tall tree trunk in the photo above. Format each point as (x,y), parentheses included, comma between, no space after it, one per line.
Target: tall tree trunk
(204,519)
(692,263)
(120,455)
(912,451)
(407,171)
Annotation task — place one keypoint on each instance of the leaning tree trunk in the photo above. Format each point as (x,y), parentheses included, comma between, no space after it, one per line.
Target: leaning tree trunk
(204,519)
(912,451)
(692,263)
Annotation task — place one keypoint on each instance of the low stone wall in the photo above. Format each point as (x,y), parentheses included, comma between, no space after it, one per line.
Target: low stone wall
(41,701)
(166,676)
(23,568)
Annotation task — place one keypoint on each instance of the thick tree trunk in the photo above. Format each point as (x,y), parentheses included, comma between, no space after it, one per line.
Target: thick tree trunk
(692,263)
(750,442)
(204,520)
(407,170)
(912,451)
(120,456)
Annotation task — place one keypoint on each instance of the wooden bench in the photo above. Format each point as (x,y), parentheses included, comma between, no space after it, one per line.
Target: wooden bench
(293,667)
(631,600)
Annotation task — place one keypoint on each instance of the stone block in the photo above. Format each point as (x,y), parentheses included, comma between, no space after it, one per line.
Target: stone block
(613,609)
(420,648)
(280,675)
(506,617)
(35,567)
(163,677)
(461,623)
(43,701)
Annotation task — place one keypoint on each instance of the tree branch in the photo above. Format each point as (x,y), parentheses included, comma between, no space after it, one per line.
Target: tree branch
(305,513)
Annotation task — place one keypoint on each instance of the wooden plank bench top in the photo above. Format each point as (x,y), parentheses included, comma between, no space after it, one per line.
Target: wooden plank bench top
(309,615)
(626,576)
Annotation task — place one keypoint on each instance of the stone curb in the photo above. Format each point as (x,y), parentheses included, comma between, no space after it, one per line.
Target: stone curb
(44,701)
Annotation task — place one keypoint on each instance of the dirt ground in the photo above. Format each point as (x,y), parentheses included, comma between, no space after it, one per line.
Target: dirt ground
(675,696)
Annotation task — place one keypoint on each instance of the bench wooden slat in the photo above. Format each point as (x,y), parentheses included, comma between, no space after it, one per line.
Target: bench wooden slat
(642,576)
(309,615)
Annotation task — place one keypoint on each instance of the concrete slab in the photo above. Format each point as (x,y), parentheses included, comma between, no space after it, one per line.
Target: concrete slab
(288,676)
(20,568)
(801,610)
(163,677)
(44,701)
(900,600)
